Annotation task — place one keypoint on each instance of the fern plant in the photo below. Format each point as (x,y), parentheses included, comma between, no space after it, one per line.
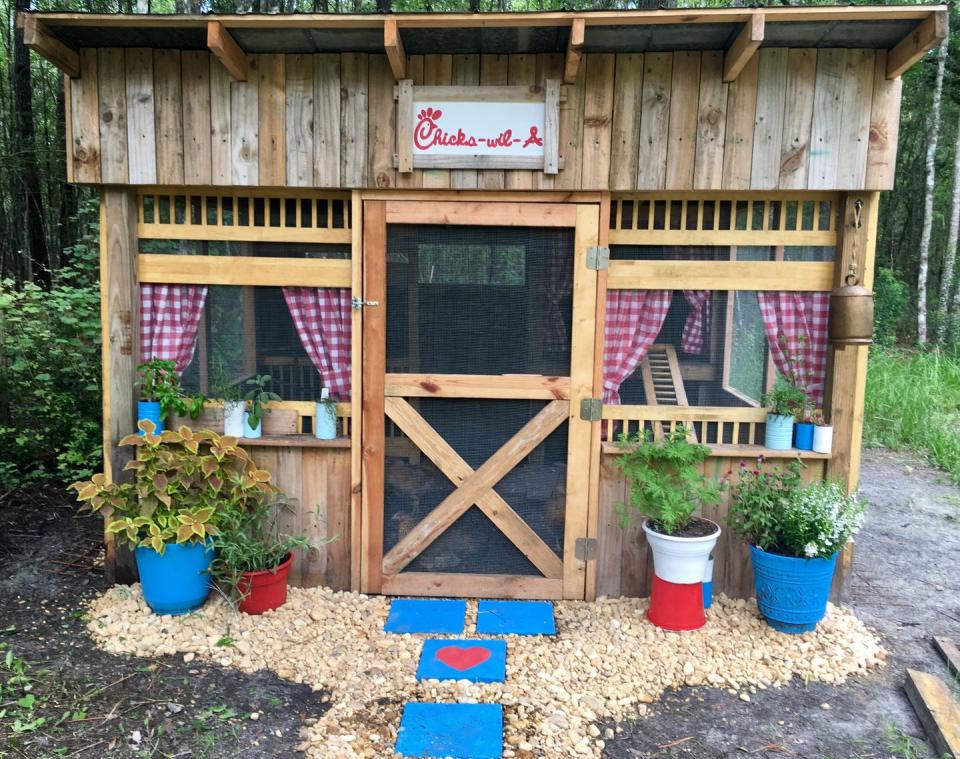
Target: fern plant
(666,482)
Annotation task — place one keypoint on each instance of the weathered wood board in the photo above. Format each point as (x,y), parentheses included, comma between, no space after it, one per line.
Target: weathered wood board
(793,119)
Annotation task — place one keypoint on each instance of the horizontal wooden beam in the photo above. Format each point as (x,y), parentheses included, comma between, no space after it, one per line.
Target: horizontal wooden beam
(744,47)
(243,270)
(684,413)
(477,386)
(743,452)
(929,33)
(574,50)
(483,214)
(950,653)
(937,711)
(228,52)
(39,40)
(797,276)
(393,46)
(472,585)
(212,232)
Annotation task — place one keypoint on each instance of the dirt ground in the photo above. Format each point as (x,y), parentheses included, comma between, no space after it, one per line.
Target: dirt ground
(94,704)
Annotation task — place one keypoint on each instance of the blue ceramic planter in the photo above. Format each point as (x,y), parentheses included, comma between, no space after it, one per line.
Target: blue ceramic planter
(792,593)
(779,432)
(803,436)
(177,581)
(150,410)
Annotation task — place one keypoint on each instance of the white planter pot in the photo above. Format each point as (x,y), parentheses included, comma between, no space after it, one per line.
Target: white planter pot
(233,412)
(823,438)
(682,561)
(248,431)
(324,423)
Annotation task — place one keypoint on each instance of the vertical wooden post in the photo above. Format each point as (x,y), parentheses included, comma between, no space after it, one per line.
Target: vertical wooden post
(120,320)
(356,378)
(848,373)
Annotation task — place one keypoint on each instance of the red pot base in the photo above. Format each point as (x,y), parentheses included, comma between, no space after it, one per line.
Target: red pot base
(264,590)
(676,607)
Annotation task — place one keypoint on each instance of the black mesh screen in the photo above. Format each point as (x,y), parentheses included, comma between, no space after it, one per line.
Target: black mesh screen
(475,429)
(479,300)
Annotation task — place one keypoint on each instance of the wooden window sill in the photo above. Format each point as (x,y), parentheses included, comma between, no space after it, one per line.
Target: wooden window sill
(293,441)
(745,452)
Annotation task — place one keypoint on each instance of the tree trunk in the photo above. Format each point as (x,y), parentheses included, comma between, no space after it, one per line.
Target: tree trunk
(931,176)
(26,151)
(950,255)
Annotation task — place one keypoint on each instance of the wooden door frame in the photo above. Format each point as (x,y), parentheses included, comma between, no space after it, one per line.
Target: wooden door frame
(584,219)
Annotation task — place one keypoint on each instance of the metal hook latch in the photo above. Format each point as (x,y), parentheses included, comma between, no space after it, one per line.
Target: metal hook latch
(357,303)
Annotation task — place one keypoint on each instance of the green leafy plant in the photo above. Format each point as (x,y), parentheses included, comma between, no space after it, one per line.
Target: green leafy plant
(774,511)
(259,397)
(159,382)
(786,399)
(666,484)
(183,482)
(222,386)
(328,406)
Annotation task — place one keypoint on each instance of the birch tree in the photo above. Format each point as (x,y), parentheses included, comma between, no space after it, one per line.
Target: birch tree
(944,310)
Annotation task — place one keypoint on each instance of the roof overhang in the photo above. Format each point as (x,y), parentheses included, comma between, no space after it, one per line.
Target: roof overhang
(908,31)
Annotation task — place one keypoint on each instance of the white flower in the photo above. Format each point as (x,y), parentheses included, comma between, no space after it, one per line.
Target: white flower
(810,549)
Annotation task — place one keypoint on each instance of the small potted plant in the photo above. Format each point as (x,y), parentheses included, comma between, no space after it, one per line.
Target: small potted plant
(161,394)
(325,417)
(667,486)
(257,398)
(253,558)
(782,404)
(182,483)
(803,429)
(794,532)
(234,406)
(822,434)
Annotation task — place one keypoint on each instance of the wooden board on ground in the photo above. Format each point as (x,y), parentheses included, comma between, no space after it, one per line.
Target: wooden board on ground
(937,711)
(950,653)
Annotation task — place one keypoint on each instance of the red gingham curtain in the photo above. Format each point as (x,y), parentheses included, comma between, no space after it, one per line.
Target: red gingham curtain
(322,319)
(691,340)
(801,318)
(634,319)
(169,318)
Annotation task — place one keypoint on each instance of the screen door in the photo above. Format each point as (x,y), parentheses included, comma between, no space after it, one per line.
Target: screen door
(477,352)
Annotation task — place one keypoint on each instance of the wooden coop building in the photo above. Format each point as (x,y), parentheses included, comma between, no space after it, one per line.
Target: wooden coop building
(500,240)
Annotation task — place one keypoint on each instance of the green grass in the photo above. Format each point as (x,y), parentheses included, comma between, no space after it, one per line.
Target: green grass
(913,403)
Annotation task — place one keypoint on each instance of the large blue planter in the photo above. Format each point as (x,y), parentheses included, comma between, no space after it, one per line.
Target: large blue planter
(803,436)
(177,581)
(779,432)
(792,593)
(150,410)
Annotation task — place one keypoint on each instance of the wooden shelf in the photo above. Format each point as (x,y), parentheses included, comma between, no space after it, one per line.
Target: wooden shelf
(293,441)
(744,452)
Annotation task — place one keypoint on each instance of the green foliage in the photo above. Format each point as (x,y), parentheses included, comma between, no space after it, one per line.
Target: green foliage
(773,510)
(184,482)
(666,484)
(259,396)
(159,382)
(786,399)
(913,403)
(890,299)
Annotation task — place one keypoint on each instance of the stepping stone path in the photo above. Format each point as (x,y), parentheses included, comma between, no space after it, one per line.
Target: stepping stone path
(461,731)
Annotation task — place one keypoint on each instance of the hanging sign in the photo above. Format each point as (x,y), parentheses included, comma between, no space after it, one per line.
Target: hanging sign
(478,127)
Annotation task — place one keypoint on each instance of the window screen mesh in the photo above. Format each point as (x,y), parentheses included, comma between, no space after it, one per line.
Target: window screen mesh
(475,429)
(235,248)
(722,253)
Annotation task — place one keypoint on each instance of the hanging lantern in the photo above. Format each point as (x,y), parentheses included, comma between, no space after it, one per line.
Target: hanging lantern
(851,312)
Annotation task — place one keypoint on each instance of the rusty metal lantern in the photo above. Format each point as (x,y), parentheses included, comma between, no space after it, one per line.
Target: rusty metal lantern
(851,312)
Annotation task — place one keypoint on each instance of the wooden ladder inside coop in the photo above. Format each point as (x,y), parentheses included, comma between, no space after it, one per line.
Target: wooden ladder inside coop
(663,382)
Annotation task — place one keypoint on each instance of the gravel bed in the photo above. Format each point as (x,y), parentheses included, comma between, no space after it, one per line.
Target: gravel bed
(605,664)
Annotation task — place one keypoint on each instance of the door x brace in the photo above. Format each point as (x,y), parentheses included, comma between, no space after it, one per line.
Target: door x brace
(475,486)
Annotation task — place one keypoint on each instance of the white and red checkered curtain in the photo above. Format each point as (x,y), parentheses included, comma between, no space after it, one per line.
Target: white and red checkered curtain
(169,318)
(796,327)
(322,318)
(634,319)
(691,339)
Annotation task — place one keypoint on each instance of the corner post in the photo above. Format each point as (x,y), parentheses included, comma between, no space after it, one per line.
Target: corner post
(120,320)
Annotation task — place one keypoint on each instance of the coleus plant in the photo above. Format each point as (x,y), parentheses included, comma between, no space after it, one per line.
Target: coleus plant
(182,483)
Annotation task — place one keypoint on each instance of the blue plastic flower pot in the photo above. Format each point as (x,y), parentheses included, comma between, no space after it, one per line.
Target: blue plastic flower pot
(150,410)
(177,581)
(803,436)
(779,432)
(792,593)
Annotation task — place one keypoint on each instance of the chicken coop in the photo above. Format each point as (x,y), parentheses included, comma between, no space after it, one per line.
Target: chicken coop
(500,241)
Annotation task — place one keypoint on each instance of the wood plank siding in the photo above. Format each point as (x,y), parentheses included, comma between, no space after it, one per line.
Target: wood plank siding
(793,119)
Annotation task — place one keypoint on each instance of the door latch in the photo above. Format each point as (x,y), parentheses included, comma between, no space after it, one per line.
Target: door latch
(357,303)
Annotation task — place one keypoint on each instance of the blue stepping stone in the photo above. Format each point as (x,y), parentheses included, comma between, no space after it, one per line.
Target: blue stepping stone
(480,661)
(426,615)
(515,618)
(462,731)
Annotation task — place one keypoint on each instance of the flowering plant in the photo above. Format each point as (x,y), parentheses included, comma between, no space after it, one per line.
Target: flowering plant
(774,511)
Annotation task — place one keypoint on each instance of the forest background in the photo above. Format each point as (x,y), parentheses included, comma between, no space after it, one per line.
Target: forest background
(49,238)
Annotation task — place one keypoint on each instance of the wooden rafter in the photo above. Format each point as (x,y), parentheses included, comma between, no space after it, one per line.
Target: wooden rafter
(38,38)
(393,46)
(574,50)
(475,487)
(929,33)
(228,52)
(743,47)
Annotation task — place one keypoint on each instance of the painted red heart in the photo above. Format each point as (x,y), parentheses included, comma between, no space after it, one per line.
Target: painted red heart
(462,658)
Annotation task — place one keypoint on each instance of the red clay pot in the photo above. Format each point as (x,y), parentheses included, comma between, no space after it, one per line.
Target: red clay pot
(266,589)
